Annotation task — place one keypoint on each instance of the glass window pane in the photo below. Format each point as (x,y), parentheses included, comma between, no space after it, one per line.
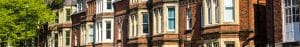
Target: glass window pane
(171,12)
(294,2)
(228,3)
(295,18)
(209,16)
(229,43)
(108,29)
(145,28)
(171,24)
(109,4)
(56,40)
(287,2)
(145,23)
(287,11)
(108,34)
(171,18)
(229,15)
(67,41)
(91,33)
(295,10)
(145,18)
(108,25)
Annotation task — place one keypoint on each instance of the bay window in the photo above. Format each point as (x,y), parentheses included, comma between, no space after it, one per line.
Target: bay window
(216,12)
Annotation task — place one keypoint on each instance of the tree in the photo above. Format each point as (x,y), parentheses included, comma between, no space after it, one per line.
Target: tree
(21,19)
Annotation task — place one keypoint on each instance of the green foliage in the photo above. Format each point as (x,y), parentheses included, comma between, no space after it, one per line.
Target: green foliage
(20,19)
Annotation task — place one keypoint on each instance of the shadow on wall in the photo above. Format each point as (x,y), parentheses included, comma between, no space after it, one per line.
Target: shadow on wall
(197,29)
(263,26)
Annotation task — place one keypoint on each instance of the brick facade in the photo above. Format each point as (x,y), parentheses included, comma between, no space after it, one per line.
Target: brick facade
(76,20)
(120,14)
(252,18)
(259,24)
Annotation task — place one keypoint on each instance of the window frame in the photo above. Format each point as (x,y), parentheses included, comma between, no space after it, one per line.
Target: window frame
(68,32)
(171,18)
(233,12)
(91,33)
(145,15)
(209,11)
(109,4)
(108,31)
(291,19)
(68,14)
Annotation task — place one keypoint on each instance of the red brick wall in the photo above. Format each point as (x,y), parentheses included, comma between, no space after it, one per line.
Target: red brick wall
(277,13)
(76,32)
(120,11)
(194,34)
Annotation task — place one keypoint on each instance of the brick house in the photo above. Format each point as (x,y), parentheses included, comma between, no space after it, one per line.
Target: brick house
(78,34)
(138,23)
(260,23)
(87,23)
(104,23)
(76,29)
(164,21)
(59,33)
(220,23)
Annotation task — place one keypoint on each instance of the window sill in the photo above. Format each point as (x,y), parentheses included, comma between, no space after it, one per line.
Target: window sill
(224,24)
(171,30)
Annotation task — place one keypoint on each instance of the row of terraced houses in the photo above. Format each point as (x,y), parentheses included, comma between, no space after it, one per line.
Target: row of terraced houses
(175,23)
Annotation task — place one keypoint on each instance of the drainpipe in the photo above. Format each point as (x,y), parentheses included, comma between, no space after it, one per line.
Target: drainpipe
(273,33)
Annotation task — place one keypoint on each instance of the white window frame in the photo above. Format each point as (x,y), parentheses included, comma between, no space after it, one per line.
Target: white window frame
(145,23)
(233,12)
(290,22)
(106,22)
(171,30)
(67,37)
(91,37)
(104,34)
(111,4)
